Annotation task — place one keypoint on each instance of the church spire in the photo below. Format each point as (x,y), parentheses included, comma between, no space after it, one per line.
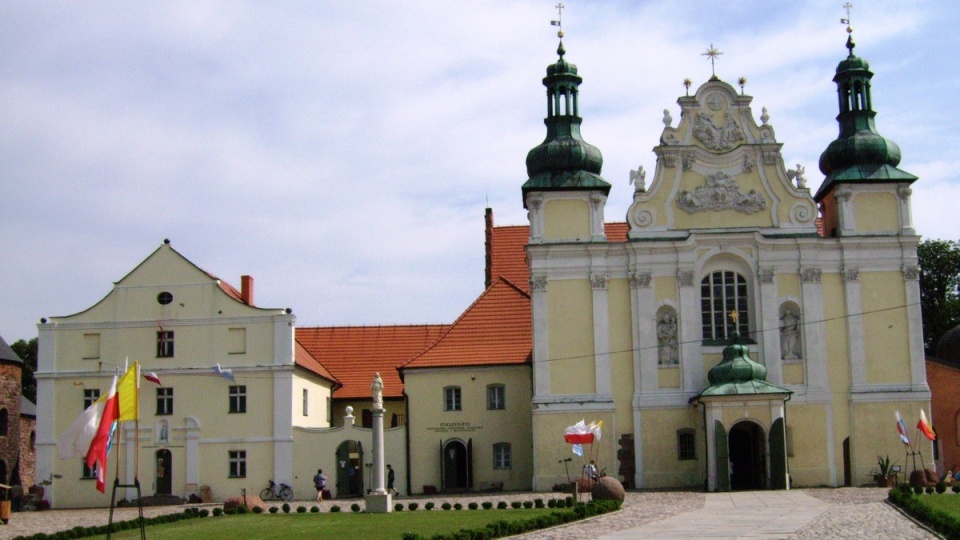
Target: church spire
(859,154)
(564,161)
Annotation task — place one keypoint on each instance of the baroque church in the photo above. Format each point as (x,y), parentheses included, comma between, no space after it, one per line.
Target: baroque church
(737,331)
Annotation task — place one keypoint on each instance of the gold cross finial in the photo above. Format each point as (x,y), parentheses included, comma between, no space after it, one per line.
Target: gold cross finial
(712,53)
(734,316)
(848,6)
(559,21)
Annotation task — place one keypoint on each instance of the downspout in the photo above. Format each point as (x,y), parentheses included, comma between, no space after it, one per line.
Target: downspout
(786,455)
(406,436)
(706,447)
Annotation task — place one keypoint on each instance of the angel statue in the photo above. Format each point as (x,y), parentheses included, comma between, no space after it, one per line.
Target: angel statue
(639,179)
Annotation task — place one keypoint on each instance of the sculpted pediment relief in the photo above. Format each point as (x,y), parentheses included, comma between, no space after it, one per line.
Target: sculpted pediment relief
(720,192)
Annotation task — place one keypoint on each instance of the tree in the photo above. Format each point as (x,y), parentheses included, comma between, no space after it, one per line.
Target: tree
(27,351)
(939,281)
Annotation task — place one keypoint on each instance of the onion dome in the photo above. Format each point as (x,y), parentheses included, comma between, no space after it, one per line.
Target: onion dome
(859,154)
(948,348)
(736,365)
(563,161)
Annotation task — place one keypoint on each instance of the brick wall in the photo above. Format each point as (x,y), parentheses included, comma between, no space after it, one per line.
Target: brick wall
(10,401)
(28,452)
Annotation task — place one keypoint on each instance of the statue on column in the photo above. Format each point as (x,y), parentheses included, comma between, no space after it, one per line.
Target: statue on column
(377,389)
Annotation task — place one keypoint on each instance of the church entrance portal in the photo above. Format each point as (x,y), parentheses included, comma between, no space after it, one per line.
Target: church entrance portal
(455,461)
(164,472)
(349,469)
(747,457)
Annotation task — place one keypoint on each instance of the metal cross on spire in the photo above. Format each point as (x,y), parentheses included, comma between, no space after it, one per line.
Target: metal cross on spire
(559,21)
(848,6)
(712,53)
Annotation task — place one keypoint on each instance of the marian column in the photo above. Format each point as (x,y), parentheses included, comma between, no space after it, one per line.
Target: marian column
(378,501)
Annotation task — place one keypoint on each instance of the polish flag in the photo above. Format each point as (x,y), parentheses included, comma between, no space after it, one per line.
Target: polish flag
(579,433)
(924,427)
(152,377)
(100,446)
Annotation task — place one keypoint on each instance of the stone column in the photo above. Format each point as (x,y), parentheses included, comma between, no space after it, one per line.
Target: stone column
(378,501)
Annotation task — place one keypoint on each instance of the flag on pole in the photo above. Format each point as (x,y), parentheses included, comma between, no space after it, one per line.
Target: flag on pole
(225,373)
(902,429)
(595,429)
(128,393)
(579,433)
(152,377)
(75,441)
(100,446)
(924,427)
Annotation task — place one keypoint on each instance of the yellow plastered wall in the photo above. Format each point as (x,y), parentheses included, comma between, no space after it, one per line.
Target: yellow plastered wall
(566,219)
(885,327)
(661,467)
(788,284)
(391,407)
(430,426)
(665,288)
(876,212)
(808,426)
(550,448)
(874,434)
(570,319)
(668,377)
(792,373)
(838,362)
(621,346)
(318,391)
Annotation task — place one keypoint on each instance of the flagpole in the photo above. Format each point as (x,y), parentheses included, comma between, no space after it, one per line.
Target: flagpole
(136,435)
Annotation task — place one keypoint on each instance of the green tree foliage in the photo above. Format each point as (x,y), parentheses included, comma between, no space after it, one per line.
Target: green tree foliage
(939,280)
(27,351)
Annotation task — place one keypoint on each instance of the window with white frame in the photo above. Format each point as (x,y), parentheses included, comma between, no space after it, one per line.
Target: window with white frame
(165,344)
(90,396)
(238,399)
(502,457)
(723,293)
(89,473)
(451,398)
(495,397)
(238,464)
(164,401)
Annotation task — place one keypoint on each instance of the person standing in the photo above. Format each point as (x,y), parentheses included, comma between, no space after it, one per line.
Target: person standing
(320,482)
(391,478)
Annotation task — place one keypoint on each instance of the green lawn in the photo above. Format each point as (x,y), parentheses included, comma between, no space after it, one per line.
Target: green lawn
(947,502)
(332,525)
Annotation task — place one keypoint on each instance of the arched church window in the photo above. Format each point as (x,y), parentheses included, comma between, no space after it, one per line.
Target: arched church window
(723,293)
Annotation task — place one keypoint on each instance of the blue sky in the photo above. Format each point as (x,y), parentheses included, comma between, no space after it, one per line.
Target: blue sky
(342,153)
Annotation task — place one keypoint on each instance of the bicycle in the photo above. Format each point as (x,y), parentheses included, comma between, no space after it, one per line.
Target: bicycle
(279,492)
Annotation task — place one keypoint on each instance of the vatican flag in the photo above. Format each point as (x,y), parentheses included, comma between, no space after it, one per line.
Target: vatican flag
(128,392)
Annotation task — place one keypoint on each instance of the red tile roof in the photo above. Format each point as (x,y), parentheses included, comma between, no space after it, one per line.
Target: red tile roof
(495,330)
(354,353)
(509,257)
(307,361)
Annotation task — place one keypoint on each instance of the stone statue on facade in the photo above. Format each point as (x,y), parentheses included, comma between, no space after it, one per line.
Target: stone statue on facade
(667,339)
(377,391)
(639,179)
(790,335)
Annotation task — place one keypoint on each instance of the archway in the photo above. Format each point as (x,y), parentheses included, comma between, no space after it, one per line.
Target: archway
(349,469)
(748,467)
(164,462)
(456,465)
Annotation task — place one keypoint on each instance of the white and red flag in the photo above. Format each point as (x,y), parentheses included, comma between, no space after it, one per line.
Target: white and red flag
(579,433)
(924,427)
(100,446)
(902,429)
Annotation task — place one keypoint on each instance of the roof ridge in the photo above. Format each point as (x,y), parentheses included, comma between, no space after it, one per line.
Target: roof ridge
(359,326)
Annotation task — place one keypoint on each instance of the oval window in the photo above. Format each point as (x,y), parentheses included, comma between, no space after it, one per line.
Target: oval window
(164,298)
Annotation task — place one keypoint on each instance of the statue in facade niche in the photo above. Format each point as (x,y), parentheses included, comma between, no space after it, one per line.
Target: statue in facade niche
(790,335)
(377,390)
(639,179)
(667,339)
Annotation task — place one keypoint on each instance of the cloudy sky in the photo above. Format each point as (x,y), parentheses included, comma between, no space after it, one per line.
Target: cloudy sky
(343,152)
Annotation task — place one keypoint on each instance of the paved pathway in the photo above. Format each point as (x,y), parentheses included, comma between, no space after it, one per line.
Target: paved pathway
(843,513)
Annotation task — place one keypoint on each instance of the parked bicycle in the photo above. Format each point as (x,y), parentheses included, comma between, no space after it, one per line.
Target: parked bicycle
(276,492)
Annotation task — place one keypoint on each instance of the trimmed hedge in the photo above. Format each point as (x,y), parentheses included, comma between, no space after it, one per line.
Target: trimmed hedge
(936,519)
(429,506)
(82,532)
(501,528)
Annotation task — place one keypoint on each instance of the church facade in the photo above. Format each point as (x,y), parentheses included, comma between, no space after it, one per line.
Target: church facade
(633,326)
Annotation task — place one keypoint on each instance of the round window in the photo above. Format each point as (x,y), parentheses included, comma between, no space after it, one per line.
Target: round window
(164,298)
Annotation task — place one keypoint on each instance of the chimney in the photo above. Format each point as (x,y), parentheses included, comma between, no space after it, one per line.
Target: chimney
(488,246)
(246,290)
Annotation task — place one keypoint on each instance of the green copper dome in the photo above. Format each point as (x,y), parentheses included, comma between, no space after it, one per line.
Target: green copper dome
(736,365)
(563,161)
(859,154)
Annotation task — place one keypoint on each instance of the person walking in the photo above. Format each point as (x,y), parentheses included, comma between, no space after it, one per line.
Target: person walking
(320,482)
(391,478)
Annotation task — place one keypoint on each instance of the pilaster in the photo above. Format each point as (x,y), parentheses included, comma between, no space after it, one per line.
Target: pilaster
(769,321)
(855,345)
(690,327)
(814,329)
(541,344)
(601,334)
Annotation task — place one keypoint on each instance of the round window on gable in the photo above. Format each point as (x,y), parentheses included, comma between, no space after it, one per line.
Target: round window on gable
(164,298)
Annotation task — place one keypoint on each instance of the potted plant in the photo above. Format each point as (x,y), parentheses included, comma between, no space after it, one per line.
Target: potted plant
(883,473)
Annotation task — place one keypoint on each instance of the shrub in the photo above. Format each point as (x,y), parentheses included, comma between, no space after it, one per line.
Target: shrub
(457,506)
(257,510)
(334,509)
(941,487)
(487,505)
(286,508)
(314,509)
(538,503)
(301,509)
(274,509)
(446,506)
(918,490)
(473,506)
(398,507)
(528,504)
(217,512)
(552,503)
(354,507)
(428,506)
(929,489)
(413,506)
(955,488)
(569,501)
(502,505)
(516,505)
